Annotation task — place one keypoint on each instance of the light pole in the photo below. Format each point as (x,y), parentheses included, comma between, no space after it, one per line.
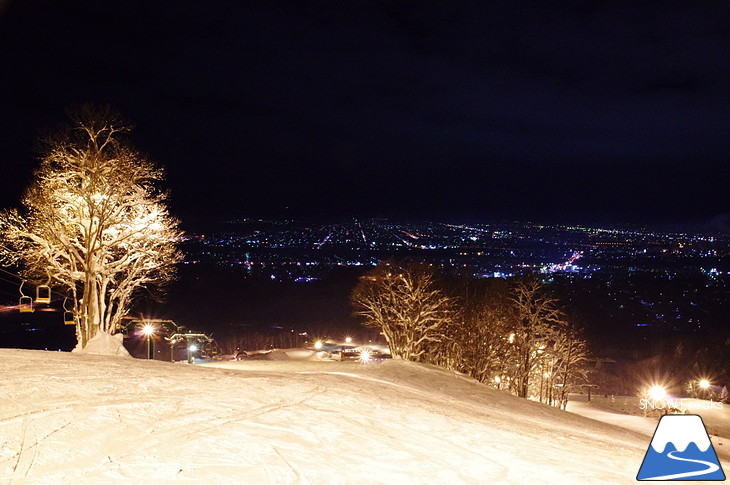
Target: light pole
(704,388)
(148,330)
(191,349)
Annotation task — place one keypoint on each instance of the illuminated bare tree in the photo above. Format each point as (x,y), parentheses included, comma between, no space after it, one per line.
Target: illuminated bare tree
(539,320)
(569,368)
(490,345)
(95,222)
(407,307)
(480,336)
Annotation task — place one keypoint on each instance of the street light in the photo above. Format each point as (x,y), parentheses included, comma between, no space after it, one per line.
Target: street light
(191,350)
(365,356)
(657,393)
(704,384)
(149,330)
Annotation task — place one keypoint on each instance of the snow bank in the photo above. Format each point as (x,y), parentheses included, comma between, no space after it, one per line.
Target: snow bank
(79,418)
(104,344)
(287,354)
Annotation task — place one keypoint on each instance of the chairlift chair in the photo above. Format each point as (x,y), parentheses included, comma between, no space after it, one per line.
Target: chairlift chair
(25,305)
(43,294)
(68,318)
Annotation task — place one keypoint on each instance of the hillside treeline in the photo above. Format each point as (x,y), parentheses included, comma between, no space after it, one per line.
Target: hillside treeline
(511,334)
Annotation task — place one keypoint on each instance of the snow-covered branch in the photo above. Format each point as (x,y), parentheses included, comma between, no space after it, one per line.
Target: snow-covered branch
(95,222)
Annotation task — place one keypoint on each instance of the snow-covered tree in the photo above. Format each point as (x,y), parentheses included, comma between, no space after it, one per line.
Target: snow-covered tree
(405,304)
(539,320)
(479,343)
(568,369)
(95,222)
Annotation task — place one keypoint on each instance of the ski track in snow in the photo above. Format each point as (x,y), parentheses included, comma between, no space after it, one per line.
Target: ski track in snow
(91,419)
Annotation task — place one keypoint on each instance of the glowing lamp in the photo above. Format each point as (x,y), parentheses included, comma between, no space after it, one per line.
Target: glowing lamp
(657,392)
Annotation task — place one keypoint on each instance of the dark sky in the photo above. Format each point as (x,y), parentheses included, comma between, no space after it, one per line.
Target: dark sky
(568,111)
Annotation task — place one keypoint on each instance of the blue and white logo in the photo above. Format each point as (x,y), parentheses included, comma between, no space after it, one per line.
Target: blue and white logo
(680,450)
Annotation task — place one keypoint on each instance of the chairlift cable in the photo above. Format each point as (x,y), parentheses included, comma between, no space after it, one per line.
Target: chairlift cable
(11,274)
(20,278)
(8,294)
(8,281)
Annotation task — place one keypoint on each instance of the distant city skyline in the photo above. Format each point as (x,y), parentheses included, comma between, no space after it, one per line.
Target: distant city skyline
(302,252)
(288,276)
(610,112)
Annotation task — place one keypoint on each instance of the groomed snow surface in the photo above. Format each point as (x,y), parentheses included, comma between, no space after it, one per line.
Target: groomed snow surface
(87,419)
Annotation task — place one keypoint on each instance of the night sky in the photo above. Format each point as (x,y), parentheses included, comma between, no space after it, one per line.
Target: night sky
(559,111)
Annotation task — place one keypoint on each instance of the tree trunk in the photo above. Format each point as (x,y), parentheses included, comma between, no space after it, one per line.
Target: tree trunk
(90,309)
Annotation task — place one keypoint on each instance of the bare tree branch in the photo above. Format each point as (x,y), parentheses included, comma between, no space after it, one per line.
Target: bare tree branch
(95,222)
